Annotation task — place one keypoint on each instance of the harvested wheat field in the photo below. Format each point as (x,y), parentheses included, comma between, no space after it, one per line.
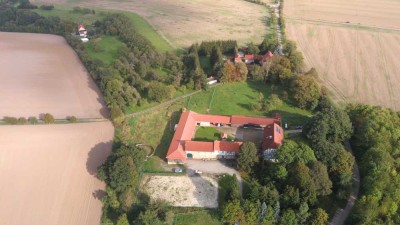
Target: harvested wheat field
(377,13)
(356,65)
(354,46)
(197,191)
(41,74)
(184,22)
(48,173)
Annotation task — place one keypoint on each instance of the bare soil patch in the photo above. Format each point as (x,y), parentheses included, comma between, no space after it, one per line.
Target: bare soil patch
(48,173)
(196,191)
(41,74)
(184,22)
(356,65)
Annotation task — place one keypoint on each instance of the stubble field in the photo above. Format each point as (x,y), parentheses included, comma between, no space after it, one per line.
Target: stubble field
(184,22)
(42,74)
(355,60)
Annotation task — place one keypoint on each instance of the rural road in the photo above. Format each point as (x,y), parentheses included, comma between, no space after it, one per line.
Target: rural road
(342,214)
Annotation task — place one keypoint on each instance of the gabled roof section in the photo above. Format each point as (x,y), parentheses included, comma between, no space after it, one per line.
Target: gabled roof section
(199,146)
(249,57)
(212,118)
(184,131)
(228,146)
(273,137)
(263,121)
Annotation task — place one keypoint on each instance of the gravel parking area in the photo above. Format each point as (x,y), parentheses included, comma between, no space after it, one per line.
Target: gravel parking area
(184,191)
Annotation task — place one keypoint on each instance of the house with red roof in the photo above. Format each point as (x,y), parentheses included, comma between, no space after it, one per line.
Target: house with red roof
(182,146)
(82,31)
(249,59)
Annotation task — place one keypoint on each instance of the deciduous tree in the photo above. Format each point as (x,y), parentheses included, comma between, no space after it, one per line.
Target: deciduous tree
(247,156)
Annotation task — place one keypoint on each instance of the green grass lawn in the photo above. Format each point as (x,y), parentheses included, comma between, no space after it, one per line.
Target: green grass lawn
(207,134)
(142,26)
(153,165)
(196,218)
(104,48)
(236,99)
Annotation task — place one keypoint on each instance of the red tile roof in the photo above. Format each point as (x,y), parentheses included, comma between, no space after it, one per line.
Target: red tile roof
(249,57)
(237,59)
(273,136)
(228,146)
(212,118)
(184,133)
(263,121)
(199,146)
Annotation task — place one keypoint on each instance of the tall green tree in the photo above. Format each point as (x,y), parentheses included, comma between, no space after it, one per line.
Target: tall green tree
(319,175)
(318,217)
(232,212)
(216,57)
(288,218)
(292,151)
(306,91)
(247,156)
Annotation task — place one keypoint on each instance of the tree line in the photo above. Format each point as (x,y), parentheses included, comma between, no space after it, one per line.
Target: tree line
(376,143)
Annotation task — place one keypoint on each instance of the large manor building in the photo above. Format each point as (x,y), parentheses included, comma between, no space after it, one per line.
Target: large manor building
(182,146)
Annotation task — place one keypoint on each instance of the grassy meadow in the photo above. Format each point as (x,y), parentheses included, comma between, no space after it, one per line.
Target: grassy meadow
(104,48)
(142,26)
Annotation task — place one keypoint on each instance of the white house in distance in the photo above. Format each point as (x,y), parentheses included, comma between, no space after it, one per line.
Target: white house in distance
(82,33)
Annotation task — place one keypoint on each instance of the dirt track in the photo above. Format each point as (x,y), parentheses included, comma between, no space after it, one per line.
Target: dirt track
(42,74)
(47,173)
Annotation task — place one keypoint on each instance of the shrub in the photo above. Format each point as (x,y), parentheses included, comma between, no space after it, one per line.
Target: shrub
(47,7)
(22,120)
(48,118)
(10,120)
(72,119)
(32,120)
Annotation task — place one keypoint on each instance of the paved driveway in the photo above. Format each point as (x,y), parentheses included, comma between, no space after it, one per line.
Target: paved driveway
(214,167)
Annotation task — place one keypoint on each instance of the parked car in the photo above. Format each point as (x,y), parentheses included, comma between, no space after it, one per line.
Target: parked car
(198,172)
(177,170)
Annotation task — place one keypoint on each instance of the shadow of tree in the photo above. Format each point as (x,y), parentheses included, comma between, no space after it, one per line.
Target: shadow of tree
(97,156)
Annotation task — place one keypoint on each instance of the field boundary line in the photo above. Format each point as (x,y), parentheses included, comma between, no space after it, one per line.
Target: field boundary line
(345,25)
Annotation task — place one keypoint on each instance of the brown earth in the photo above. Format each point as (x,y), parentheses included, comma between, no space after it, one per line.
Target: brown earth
(48,173)
(42,74)
(184,22)
(355,60)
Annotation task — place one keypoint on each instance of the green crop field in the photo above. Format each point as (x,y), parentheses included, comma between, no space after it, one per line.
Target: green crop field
(143,27)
